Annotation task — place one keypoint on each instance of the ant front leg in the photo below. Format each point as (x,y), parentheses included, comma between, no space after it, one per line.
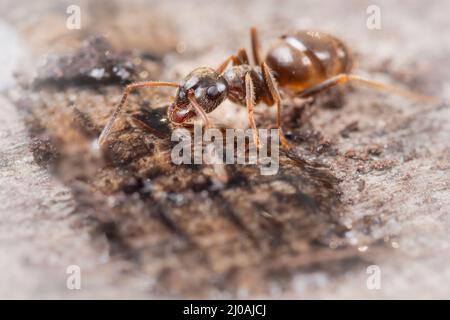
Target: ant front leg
(129,88)
(250,102)
(198,109)
(219,168)
(274,92)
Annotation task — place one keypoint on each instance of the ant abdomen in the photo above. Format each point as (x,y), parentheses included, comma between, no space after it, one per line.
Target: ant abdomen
(305,58)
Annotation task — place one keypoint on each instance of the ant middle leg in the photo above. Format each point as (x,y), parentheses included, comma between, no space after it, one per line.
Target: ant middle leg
(129,88)
(236,60)
(274,92)
(243,56)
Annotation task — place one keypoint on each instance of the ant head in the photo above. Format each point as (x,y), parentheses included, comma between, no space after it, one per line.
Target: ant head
(207,86)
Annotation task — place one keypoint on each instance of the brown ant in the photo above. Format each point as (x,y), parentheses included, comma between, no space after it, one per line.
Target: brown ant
(301,64)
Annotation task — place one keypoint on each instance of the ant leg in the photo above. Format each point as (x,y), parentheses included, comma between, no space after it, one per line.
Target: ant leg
(349,78)
(243,56)
(274,92)
(250,102)
(129,88)
(219,168)
(256,47)
(236,60)
(198,109)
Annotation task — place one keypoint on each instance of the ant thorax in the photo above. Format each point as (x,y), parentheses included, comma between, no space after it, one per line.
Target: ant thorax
(235,77)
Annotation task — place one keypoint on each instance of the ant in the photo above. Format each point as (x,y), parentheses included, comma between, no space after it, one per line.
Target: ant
(303,64)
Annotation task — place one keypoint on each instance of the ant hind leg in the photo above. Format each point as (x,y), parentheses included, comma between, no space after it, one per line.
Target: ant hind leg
(343,78)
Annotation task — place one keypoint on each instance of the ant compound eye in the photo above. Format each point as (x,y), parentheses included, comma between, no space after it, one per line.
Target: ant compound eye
(212,91)
(215,90)
(181,94)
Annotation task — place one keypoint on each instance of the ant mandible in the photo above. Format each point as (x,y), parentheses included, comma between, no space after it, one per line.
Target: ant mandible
(303,64)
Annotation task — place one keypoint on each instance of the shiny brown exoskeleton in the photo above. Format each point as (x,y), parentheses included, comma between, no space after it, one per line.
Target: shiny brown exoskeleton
(301,64)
